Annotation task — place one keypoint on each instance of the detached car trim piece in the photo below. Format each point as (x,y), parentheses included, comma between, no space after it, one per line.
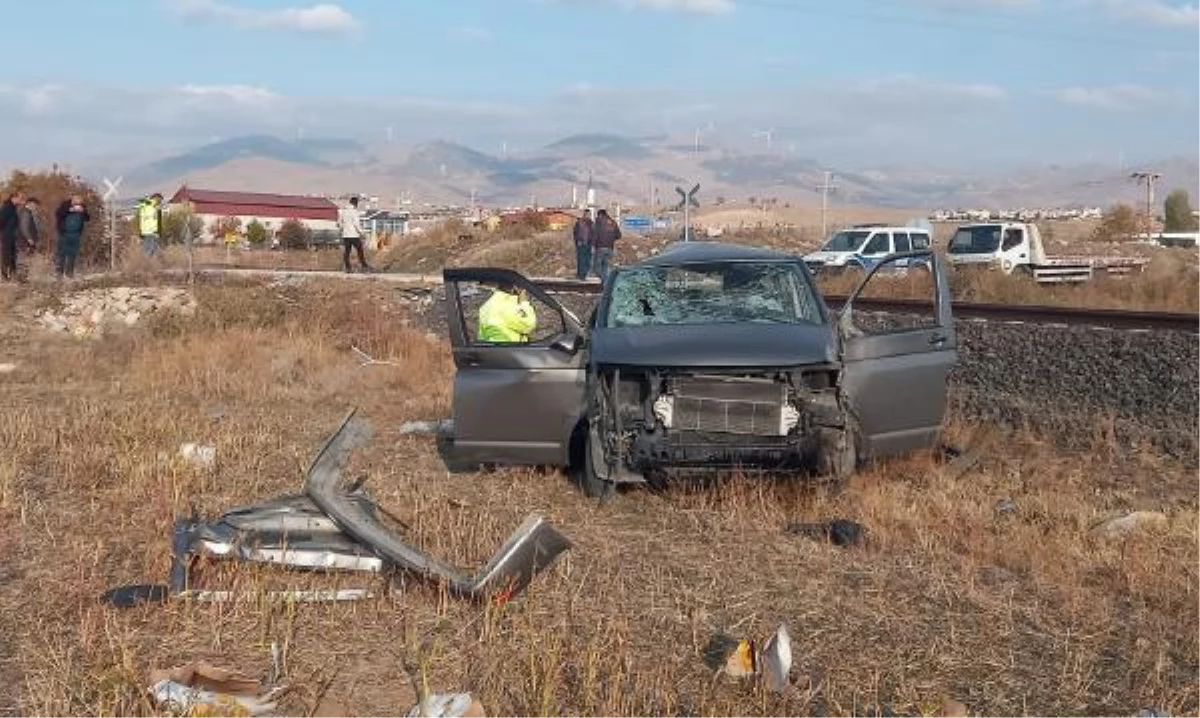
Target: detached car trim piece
(330,528)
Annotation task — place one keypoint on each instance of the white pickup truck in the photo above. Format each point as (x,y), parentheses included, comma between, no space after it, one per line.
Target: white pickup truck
(1017,247)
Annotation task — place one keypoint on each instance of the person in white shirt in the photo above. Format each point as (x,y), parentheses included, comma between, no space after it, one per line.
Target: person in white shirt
(352,234)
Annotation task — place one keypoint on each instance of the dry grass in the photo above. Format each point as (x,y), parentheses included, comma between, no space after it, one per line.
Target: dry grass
(1025,613)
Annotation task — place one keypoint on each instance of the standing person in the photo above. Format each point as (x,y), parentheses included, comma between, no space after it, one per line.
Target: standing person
(583,245)
(604,238)
(352,234)
(10,219)
(149,214)
(70,217)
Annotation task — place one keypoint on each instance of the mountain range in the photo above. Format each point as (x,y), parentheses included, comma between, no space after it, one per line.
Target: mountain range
(630,170)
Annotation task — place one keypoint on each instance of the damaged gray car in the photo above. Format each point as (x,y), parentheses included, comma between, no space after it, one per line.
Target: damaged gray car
(706,356)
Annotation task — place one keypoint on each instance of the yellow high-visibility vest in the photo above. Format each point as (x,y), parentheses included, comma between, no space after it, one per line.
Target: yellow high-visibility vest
(148,218)
(504,318)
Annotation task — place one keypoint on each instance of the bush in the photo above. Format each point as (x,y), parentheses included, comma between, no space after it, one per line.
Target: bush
(256,233)
(1119,224)
(293,234)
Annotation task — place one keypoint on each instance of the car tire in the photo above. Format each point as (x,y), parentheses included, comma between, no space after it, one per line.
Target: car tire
(839,458)
(586,476)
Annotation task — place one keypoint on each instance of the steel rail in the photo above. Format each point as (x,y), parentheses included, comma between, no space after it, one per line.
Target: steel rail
(1122,319)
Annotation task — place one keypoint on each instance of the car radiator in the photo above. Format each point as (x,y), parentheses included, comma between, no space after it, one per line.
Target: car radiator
(728,405)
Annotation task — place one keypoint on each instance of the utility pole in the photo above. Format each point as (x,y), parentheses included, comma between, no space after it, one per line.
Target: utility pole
(825,188)
(1148,178)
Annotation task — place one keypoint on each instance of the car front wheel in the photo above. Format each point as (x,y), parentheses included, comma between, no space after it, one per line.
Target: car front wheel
(591,472)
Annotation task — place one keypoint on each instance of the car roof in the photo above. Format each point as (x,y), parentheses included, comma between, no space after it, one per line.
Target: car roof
(883,228)
(697,251)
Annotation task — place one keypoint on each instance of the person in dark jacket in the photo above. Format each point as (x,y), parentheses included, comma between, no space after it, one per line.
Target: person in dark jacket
(71,218)
(604,238)
(583,246)
(10,231)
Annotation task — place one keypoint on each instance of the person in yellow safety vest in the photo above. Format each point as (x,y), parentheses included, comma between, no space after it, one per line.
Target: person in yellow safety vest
(149,217)
(507,317)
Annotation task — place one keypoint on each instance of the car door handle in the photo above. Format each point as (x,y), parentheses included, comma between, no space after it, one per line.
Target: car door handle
(937,339)
(469,358)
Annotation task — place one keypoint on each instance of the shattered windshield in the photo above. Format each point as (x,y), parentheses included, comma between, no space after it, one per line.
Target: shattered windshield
(847,241)
(975,240)
(712,293)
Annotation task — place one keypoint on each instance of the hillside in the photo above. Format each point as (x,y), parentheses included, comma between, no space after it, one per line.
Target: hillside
(629,171)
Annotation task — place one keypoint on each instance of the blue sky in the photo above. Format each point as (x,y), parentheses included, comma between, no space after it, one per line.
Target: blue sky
(854,81)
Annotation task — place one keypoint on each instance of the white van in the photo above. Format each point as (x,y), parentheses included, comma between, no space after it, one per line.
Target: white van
(862,246)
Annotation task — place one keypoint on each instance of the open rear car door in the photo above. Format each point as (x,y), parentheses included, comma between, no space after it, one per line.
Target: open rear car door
(514,402)
(896,367)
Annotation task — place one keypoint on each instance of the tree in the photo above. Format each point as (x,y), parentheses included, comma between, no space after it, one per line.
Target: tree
(1178,213)
(225,226)
(50,189)
(294,234)
(1119,224)
(175,220)
(256,233)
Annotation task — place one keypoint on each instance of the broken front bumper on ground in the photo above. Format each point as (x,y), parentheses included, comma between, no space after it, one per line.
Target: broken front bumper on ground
(333,529)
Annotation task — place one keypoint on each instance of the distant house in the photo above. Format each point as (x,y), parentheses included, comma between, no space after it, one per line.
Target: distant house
(384,222)
(271,210)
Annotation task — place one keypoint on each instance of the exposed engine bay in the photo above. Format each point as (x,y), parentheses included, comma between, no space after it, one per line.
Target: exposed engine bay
(645,421)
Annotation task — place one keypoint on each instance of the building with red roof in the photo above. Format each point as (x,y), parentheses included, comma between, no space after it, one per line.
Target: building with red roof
(319,214)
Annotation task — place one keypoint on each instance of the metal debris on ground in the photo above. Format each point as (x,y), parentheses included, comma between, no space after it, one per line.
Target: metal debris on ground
(839,532)
(365,359)
(200,688)
(1004,507)
(337,529)
(448,705)
(443,427)
(90,312)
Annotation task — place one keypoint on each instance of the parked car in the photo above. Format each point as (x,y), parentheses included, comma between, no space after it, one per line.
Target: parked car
(861,247)
(705,356)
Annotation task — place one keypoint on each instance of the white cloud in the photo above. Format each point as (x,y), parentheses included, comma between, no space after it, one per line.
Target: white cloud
(1150,12)
(1122,98)
(321,18)
(240,94)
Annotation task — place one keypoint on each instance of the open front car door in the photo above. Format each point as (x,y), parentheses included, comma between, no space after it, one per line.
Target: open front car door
(896,366)
(520,362)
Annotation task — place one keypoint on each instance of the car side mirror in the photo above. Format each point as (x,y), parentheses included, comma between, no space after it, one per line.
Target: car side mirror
(568,342)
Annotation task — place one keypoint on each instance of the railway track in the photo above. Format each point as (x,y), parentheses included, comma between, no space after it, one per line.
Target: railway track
(1118,319)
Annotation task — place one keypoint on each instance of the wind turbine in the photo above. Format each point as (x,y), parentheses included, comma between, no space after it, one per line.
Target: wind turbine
(765,133)
(389,134)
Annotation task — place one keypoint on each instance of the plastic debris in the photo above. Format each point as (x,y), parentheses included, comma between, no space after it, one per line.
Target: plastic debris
(198,454)
(448,705)
(777,660)
(1124,525)
(200,688)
